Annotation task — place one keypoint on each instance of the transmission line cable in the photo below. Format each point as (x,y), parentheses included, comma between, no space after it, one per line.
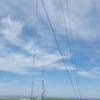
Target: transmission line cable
(34,55)
(66,31)
(71,44)
(57,44)
(72,51)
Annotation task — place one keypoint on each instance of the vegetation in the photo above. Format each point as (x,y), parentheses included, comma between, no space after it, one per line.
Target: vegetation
(45,99)
(34,99)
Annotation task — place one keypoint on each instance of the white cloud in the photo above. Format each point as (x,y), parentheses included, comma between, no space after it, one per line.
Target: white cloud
(20,63)
(81,21)
(16,62)
(93,73)
(11,29)
(61,66)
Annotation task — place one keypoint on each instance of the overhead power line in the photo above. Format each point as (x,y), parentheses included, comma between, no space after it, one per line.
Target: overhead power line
(34,55)
(58,47)
(70,42)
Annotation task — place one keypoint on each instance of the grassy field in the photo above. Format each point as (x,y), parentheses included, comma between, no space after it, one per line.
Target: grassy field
(34,99)
(45,99)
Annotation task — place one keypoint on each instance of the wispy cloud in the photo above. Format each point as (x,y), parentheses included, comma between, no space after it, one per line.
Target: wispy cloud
(79,14)
(20,63)
(93,73)
(11,28)
(20,43)
(11,31)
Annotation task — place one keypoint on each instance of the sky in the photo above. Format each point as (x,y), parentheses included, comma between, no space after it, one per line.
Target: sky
(27,44)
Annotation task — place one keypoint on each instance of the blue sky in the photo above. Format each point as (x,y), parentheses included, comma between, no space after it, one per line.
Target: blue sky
(19,41)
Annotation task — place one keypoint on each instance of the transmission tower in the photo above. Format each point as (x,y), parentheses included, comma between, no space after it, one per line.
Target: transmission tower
(43,93)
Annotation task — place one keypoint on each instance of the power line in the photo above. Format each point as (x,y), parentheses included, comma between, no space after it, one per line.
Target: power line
(68,40)
(34,55)
(58,47)
(71,43)
(72,50)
